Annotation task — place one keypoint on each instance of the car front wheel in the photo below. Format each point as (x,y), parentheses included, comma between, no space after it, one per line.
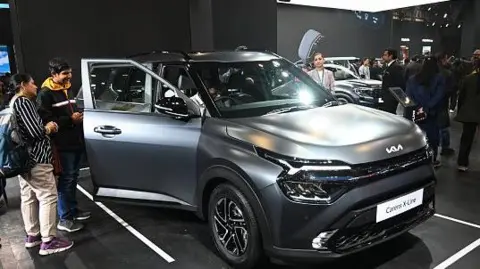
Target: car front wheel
(233,227)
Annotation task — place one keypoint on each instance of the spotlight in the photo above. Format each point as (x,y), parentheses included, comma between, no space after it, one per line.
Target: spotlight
(447,25)
(433,24)
(430,8)
(445,16)
(459,26)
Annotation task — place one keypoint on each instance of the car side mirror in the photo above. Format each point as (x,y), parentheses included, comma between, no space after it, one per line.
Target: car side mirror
(173,106)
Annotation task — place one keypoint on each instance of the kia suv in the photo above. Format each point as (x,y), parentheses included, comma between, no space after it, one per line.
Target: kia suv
(250,143)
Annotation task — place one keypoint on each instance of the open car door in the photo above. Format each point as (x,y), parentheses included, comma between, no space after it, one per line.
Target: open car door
(133,151)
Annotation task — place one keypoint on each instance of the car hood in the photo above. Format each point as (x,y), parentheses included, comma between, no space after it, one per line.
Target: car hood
(349,133)
(366,83)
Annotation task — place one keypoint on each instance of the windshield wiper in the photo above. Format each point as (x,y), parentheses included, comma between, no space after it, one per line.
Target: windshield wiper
(289,109)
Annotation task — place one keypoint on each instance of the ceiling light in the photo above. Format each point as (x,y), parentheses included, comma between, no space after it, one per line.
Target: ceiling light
(433,24)
(368,6)
(430,8)
(447,25)
(426,40)
(459,26)
(405,39)
(444,16)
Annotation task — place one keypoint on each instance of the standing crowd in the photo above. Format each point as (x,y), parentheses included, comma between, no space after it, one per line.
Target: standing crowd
(51,124)
(437,86)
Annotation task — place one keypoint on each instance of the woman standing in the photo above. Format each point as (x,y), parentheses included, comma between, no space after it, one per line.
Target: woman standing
(468,114)
(38,187)
(427,89)
(364,70)
(322,76)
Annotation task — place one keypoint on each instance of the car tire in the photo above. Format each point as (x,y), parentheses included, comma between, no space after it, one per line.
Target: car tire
(234,228)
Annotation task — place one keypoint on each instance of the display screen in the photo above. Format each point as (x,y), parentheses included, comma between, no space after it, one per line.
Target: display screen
(402,97)
(4,60)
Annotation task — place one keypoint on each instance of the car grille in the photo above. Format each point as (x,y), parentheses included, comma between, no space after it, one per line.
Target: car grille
(388,167)
(376,92)
(351,239)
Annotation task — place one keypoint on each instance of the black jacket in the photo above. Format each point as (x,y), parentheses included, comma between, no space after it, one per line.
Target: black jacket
(393,76)
(56,103)
(469,99)
(444,116)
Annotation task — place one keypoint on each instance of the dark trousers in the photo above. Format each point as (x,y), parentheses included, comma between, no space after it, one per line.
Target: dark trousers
(430,127)
(445,138)
(67,184)
(453,100)
(466,142)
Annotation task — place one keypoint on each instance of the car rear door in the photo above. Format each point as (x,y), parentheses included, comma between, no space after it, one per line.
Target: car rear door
(134,152)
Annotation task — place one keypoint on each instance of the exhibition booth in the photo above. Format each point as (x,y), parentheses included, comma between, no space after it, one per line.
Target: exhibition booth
(249,134)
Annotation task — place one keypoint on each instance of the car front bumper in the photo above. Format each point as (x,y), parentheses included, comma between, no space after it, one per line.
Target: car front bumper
(349,224)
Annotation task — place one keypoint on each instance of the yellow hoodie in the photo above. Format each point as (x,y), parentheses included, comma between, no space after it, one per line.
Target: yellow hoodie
(52,85)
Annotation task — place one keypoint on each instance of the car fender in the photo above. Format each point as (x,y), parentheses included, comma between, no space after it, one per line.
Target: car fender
(231,173)
(346,93)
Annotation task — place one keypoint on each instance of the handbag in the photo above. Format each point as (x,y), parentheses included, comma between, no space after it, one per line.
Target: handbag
(57,165)
(419,116)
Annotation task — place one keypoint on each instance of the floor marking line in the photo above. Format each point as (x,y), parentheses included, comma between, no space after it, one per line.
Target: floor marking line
(127,226)
(458,221)
(457,256)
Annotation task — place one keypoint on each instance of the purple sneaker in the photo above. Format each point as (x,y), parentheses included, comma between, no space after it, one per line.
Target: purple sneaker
(54,246)
(33,241)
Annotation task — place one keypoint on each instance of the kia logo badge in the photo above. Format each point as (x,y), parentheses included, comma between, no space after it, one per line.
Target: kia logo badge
(393,149)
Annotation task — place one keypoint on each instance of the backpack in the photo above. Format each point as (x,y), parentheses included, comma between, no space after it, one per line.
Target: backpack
(14,152)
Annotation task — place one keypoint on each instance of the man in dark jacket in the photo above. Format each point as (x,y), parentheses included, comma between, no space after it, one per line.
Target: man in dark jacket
(444,116)
(393,76)
(413,67)
(56,103)
(468,114)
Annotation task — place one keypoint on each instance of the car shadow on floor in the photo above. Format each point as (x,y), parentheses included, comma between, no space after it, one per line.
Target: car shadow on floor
(405,251)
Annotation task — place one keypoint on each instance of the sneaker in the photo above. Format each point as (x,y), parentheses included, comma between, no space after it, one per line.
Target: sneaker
(82,215)
(33,241)
(462,168)
(55,245)
(69,226)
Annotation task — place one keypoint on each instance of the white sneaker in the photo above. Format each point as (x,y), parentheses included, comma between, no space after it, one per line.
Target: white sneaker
(462,168)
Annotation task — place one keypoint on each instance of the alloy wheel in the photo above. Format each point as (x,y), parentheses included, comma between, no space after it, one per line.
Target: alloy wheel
(231,227)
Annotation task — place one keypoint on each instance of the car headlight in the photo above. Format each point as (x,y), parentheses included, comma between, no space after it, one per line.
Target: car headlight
(318,182)
(363,91)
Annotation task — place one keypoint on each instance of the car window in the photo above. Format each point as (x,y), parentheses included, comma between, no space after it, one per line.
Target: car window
(248,89)
(178,76)
(340,74)
(120,88)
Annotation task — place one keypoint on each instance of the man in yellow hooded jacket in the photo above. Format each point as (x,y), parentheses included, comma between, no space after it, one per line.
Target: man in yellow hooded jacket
(56,103)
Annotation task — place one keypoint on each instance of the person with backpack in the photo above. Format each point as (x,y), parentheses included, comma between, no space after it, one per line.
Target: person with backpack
(37,186)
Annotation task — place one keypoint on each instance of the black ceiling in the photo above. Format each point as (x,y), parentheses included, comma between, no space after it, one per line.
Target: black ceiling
(443,14)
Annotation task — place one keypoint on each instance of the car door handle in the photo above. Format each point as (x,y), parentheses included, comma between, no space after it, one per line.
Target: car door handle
(107,130)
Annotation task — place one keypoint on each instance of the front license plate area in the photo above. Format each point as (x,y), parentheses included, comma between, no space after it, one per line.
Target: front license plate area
(399,205)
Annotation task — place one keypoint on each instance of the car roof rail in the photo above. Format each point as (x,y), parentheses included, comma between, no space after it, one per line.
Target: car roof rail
(183,53)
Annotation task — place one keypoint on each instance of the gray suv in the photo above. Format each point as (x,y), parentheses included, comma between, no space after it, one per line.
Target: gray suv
(252,144)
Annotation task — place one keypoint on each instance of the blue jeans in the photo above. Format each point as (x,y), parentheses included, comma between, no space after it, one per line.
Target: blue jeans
(445,138)
(67,184)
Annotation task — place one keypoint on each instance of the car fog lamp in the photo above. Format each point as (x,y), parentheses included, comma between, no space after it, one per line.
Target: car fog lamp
(320,242)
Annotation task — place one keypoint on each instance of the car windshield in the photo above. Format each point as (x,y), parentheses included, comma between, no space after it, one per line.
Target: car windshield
(342,73)
(249,89)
